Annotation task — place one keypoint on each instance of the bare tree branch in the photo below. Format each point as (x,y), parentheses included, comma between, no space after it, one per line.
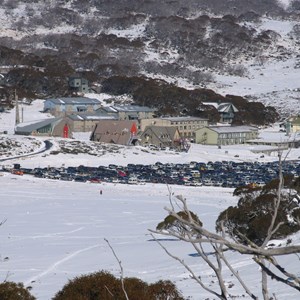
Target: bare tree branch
(193,275)
(191,230)
(236,275)
(275,276)
(208,237)
(109,291)
(274,262)
(277,201)
(120,264)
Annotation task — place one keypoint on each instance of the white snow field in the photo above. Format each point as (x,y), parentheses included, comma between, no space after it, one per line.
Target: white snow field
(55,231)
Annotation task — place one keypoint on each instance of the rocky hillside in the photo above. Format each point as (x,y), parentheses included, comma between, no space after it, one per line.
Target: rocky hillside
(179,48)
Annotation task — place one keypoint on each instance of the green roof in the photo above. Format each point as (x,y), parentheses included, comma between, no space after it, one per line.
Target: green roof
(21,128)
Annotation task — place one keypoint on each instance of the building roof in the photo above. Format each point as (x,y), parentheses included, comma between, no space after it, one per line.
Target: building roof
(127,108)
(222,106)
(114,131)
(35,126)
(74,101)
(183,118)
(225,107)
(91,117)
(161,132)
(232,129)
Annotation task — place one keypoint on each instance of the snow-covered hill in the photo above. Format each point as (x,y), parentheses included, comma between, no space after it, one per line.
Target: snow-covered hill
(55,230)
(230,49)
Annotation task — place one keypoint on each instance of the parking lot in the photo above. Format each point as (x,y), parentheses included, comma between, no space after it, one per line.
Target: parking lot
(224,173)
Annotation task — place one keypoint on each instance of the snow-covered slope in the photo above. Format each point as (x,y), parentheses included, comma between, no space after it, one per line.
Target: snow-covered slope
(273,82)
(136,45)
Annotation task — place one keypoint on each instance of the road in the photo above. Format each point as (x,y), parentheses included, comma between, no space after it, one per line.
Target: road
(48,145)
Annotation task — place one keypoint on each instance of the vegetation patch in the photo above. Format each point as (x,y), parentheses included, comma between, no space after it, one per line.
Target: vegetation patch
(103,285)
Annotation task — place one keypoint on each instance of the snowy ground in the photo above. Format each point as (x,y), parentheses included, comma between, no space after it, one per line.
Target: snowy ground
(274,81)
(55,230)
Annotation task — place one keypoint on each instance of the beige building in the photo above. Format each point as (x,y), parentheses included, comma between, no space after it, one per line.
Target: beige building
(293,124)
(86,122)
(186,125)
(225,135)
(160,136)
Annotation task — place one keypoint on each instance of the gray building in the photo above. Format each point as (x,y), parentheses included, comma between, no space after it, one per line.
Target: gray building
(226,110)
(128,112)
(58,127)
(60,107)
(79,84)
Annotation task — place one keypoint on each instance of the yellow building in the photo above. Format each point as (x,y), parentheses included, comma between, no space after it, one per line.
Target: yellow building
(293,124)
(225,135)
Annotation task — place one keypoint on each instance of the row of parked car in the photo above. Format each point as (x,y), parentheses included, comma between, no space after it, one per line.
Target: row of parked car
(223,173)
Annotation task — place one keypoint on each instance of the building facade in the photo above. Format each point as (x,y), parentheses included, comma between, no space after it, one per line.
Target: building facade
(58,127)
(186,126)
(128,112)
(79,84)
(121,132)
(226,111)
(160,136)
(86,122)
(225,135)
(60,107)
(292,124)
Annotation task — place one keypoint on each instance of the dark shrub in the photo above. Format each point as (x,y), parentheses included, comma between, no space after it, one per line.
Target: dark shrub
(163,290)
(104,286)
(253,214)
(172,223)
(14,291)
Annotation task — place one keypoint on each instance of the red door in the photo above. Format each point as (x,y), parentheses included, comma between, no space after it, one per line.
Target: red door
(133,130)
(66,131)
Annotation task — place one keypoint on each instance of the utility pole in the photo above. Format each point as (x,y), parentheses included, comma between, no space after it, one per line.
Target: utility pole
(17,109)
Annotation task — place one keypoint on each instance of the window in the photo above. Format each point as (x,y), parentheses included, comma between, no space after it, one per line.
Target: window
(44,129)
(81,109)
